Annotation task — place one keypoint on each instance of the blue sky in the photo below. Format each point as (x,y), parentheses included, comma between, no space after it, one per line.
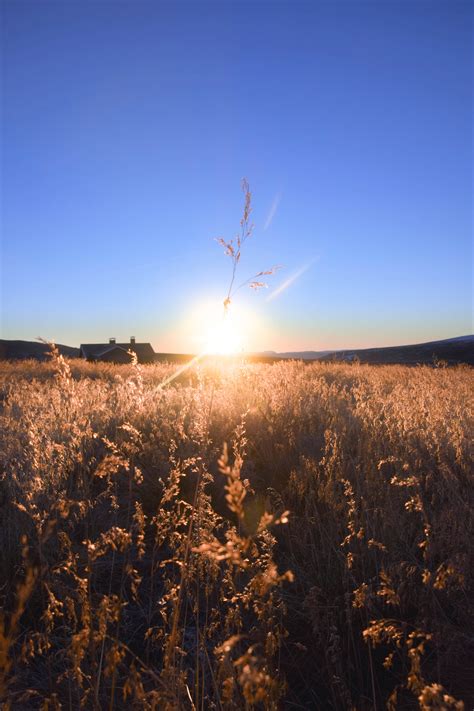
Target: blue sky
(127,127)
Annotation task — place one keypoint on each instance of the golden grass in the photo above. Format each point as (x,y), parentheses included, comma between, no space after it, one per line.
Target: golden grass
(148,559)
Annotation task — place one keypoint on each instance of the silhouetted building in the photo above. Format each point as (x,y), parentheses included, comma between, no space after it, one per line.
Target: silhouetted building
(113,352)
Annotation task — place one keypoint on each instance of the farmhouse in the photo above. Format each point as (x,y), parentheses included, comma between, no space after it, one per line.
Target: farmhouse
(113,352)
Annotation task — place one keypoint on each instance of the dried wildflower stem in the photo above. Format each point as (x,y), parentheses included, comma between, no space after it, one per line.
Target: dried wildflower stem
(233,249)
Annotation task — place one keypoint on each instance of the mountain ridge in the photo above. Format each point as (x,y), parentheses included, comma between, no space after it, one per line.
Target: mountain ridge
(459,349)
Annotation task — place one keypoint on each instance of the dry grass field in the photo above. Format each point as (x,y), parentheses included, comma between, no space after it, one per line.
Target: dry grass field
(249,536)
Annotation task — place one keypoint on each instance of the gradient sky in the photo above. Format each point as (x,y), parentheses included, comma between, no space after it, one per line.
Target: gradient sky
(127,127)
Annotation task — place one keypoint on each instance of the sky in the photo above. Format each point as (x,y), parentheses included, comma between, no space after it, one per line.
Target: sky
(127,126)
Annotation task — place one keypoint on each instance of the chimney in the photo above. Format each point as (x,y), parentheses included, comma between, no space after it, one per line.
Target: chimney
(111,340)
(132,340)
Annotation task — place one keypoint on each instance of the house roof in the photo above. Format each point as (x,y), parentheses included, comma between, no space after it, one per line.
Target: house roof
(96,350)
(109,348)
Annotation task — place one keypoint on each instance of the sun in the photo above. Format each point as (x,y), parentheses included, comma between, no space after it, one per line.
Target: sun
(211,331)
(224,336)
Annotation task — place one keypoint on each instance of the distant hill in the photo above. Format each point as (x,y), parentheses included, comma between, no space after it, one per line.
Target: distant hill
(301,355)
(451,350)
(20,350)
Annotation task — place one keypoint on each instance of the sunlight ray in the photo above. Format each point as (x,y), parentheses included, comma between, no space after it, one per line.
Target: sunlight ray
(288,282)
